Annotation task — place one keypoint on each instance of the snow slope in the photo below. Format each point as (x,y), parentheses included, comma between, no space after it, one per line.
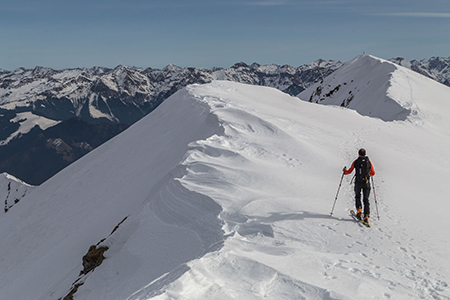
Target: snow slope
(390,95)
(227,190)
(12,190)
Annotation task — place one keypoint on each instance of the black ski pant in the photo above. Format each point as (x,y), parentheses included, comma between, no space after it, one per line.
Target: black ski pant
(365,188)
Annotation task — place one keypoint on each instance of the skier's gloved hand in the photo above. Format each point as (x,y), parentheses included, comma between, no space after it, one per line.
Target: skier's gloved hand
(344,169)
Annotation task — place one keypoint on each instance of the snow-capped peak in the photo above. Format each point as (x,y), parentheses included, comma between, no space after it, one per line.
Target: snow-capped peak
(378,88)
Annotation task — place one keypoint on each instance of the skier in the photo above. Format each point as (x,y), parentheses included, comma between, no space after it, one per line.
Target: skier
(364,169)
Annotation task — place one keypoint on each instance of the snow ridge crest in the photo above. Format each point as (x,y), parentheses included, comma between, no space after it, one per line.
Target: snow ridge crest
(373,87)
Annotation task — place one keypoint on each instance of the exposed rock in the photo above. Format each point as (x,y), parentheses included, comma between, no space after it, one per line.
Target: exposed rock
(72,292)
(93,258)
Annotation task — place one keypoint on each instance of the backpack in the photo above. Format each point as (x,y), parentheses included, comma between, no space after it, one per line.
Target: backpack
(362,169)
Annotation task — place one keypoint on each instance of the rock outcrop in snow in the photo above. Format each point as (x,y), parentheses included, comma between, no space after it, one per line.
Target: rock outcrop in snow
(12,190)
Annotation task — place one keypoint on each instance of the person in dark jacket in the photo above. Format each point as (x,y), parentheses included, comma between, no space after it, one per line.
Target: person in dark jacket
(363,170)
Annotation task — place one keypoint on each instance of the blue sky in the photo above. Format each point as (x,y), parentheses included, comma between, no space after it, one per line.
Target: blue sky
(207,33)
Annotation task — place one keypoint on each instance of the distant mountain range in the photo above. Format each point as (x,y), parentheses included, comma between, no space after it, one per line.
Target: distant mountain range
(106,101)
(125,94)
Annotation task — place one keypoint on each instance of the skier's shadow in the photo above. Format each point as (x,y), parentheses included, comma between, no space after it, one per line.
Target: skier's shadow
(250,225)
(276,217)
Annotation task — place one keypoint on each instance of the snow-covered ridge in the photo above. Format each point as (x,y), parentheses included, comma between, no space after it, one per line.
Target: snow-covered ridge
(378,88)
(226,194)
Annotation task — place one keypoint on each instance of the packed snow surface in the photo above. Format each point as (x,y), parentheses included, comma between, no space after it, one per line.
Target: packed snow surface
(227,189)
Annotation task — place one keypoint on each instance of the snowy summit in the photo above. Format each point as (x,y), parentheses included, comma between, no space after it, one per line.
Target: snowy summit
(376,88)
(225,191)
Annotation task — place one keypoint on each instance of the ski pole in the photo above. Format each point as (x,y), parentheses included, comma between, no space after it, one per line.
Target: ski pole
(340,183)
(375,197)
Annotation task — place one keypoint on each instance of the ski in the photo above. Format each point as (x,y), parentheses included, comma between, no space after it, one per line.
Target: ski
(353,214)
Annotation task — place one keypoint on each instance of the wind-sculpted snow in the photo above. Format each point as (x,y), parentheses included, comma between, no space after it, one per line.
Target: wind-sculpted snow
(152,246)
(227,191)
(259,171)
(45,240)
